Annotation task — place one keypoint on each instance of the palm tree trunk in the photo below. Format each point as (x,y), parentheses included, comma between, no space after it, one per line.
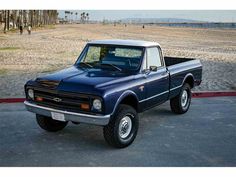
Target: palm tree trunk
(5,20)
(8,19)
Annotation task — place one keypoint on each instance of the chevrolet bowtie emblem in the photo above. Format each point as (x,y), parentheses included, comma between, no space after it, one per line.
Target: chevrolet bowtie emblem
(57,99)
(141,87)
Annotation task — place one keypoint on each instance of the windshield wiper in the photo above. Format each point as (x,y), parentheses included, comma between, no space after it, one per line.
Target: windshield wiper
(111,65)
(85,64)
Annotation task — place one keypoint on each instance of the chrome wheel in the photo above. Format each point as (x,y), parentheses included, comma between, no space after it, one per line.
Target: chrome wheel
(125,126)
(184,98)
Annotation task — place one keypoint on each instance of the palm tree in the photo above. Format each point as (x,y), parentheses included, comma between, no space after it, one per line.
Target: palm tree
(5,20)
(87,16)
(13,18)
(16,18)
(71,17)
(76,13)
(67,17)
(82,17)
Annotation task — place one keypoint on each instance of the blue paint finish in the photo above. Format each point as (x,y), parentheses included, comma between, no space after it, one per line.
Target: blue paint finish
(180,72)
(156,88)
(149,88)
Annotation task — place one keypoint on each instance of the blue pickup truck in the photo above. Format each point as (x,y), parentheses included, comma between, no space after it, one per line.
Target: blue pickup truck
(109,84)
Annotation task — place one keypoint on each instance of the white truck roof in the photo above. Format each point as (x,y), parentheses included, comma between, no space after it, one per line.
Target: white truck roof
(137,43)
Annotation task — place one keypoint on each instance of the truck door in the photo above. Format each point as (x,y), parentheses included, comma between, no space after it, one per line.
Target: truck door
(157,77)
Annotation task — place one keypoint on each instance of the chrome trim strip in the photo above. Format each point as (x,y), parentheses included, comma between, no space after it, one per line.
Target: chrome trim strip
(67,112)
(159,94)
(153,96)
(175,87)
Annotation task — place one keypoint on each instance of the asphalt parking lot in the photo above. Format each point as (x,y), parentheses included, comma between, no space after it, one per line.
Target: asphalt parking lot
(205,136)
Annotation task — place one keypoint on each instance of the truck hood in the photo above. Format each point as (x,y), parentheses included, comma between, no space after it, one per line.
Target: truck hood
(80,80)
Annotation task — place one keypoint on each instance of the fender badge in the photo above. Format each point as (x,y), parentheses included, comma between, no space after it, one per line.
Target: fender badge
(141,88)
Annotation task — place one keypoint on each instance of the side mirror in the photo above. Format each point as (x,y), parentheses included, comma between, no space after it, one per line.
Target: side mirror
(153,68)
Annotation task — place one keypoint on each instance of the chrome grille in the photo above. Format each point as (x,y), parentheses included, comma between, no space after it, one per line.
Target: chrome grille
(62,100)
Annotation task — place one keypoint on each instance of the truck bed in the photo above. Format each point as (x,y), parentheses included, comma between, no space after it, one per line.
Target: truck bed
(174,60)
(179,68)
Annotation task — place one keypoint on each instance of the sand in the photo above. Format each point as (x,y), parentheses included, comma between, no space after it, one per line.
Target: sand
(24,57)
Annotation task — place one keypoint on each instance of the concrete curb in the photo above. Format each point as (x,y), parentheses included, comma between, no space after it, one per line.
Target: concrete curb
(199,94)
(12,100)
(213,94)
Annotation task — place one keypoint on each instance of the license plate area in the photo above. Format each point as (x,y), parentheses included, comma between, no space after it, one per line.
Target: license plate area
(58,116)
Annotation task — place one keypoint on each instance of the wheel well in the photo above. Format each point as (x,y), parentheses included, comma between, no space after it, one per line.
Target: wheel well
(190,81)
(131,101)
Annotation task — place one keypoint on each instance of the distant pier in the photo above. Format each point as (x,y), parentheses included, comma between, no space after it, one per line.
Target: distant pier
(198,25)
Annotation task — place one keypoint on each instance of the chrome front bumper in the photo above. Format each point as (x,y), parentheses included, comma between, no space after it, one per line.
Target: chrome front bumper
(69,116)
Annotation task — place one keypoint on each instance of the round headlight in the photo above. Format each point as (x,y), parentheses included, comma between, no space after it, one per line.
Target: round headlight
(97,104)
(31,93)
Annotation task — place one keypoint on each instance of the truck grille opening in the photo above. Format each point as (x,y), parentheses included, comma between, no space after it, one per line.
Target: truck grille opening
(63,101)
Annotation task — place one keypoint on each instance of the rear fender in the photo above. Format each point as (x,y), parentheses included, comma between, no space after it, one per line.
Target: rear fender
(188,76)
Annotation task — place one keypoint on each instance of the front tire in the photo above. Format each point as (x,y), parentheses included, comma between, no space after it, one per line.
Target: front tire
(122,128)
(48,124)
(180,104)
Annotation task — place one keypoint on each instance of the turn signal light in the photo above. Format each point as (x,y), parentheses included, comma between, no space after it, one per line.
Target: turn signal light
(84,106)
(39,99)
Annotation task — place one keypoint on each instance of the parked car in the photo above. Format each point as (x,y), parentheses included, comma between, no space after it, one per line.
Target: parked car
(109,84)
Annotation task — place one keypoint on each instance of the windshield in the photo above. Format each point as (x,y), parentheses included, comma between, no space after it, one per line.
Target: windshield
(111,57)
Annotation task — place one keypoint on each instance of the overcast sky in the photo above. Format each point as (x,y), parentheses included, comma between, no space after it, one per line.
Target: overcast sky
(202,15)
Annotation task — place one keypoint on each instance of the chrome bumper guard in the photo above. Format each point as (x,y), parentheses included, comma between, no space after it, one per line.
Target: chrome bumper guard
(69,116)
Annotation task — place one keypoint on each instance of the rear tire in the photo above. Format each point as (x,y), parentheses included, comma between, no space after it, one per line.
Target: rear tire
(180,104)
(48,124)
(122,128)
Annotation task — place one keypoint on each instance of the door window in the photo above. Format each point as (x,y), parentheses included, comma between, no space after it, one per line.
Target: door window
(153,57)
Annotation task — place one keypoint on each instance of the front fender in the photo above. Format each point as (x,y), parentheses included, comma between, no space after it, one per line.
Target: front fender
(115,100)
